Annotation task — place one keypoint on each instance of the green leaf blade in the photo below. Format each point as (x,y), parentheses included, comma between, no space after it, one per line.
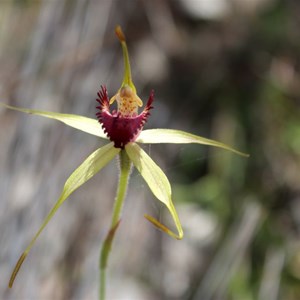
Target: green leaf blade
(158,184)
(82,123)
(157,136)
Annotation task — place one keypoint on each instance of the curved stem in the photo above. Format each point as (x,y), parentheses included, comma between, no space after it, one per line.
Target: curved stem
(125,167)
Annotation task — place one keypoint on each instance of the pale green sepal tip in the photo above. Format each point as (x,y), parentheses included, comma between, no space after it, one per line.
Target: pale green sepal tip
(85,124)
(158,184)
(157,136)
(127,79)
(90,167)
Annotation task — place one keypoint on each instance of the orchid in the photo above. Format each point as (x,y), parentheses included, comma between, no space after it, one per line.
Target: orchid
(124,128)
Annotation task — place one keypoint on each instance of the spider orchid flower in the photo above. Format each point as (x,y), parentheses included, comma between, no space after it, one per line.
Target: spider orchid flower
(123,127)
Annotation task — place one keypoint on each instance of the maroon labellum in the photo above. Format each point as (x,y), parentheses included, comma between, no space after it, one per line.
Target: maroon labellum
(122,128)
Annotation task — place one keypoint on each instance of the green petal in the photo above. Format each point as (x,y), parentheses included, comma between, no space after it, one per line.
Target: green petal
(91,166)
(157,182)
(157,136)
(85,124)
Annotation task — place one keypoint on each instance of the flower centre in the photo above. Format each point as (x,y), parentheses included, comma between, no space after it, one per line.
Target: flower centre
(125,124)
(128,102)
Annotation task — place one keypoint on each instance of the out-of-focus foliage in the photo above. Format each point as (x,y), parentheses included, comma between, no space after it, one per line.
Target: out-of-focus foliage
(228,72)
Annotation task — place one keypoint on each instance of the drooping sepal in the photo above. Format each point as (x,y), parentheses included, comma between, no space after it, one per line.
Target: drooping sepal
(158,184)
(119,128)
(90,167)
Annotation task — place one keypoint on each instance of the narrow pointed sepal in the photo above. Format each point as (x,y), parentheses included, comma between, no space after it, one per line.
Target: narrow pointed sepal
(121,129)
(159,136)
(158,184)
(85,124)
(16,269)
(127,80)
(90,167)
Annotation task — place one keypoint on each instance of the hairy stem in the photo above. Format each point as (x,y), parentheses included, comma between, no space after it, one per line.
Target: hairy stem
(125,167)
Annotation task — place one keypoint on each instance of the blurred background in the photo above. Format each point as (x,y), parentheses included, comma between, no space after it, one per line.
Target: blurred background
(225,69)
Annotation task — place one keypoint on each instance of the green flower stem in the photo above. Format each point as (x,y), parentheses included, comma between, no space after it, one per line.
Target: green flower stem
(125,167)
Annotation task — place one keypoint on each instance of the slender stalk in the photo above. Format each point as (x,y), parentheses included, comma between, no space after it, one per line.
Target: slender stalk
(125,167)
